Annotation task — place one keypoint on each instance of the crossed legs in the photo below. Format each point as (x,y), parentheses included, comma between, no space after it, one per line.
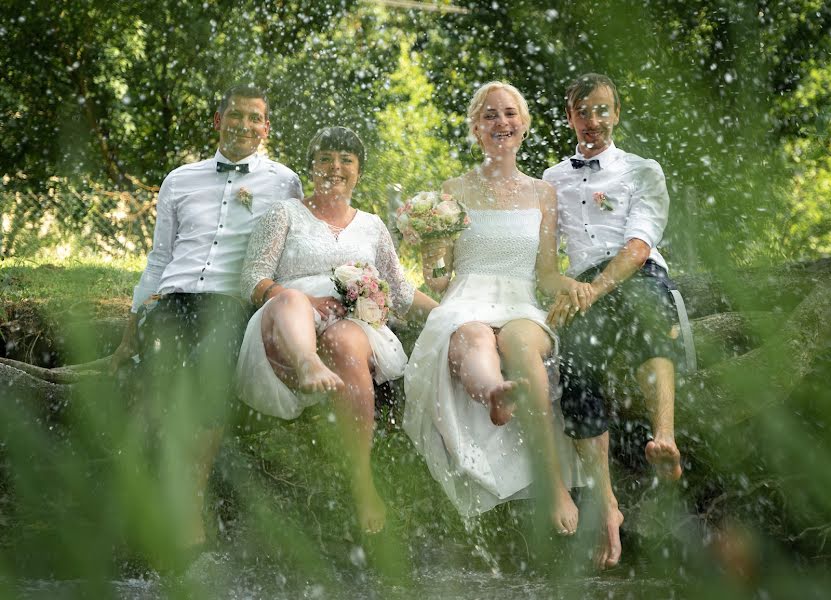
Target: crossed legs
(345,348)
(290,339)
(340,362)
(478,356)
(656,378)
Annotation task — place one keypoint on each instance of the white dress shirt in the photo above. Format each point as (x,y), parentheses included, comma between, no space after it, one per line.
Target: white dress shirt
(637,206)
(203,225)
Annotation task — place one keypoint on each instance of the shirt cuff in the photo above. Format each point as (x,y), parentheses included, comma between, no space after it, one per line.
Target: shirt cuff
(642,235)
(140,294)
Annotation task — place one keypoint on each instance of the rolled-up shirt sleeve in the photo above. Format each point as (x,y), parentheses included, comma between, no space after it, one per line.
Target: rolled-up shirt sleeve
(649,209)
(265,248)
(164,237)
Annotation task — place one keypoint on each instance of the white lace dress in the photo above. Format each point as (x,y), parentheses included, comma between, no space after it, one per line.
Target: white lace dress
(478,464)
(297,250)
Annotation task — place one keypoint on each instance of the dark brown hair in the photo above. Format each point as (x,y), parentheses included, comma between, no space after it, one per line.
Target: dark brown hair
(585,85)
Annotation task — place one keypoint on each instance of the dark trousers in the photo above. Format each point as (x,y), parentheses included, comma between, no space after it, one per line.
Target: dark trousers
(637,319)
(188,349)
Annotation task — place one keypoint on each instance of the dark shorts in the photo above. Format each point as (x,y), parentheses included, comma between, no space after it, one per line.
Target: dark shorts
(188,349)
(637,319)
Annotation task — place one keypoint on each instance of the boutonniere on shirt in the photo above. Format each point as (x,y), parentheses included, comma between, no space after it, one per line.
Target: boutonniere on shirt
(245,197)
(603,201)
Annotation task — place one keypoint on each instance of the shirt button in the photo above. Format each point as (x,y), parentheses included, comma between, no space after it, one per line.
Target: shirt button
(584,201)
(592,237)
(210,263)
(608,253)
(201,279)
(226,202)
(229,181)
(221,225)
(584,179)
(215,243)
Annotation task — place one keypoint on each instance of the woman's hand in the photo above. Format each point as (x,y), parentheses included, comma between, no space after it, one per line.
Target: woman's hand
(434,250)
(575,297)
(328,306)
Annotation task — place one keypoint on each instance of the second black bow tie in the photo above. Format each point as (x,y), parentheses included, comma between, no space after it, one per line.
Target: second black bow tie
(222,167)
(593,163)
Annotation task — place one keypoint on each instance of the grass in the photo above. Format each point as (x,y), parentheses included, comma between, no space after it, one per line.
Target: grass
(56,287)
(46,301)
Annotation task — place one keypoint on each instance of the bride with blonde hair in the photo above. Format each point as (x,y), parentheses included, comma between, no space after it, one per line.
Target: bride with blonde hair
(478,407)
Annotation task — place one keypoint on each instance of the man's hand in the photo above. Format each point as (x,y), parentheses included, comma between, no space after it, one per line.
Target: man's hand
(576,297)
(128,346)
(327,306)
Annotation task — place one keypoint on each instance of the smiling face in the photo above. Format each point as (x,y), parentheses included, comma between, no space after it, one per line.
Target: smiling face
(593,119)
(335,172)
(242,126)
(499,126)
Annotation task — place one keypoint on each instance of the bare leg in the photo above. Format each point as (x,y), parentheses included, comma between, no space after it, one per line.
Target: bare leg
(290,341)
(346,350)
(656,378)
(205,447)
(595,454)
(474,358)
(185,467)
(523,345)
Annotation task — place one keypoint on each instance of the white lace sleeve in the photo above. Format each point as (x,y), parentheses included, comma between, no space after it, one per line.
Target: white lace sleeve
(265,247)
(388,265)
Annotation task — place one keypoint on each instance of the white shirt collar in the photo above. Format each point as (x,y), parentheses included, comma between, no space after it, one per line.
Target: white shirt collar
(605,158)
(252,160)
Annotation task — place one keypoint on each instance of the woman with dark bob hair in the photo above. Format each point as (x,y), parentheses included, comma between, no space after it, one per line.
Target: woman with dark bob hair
(300,347)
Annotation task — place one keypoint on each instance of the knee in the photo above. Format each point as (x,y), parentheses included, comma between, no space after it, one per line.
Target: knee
(521,345)
(656,370)
(345,345)
(472,335)
(288,297)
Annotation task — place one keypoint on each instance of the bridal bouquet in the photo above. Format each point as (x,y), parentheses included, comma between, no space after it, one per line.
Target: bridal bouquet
(365,294)
(431,215)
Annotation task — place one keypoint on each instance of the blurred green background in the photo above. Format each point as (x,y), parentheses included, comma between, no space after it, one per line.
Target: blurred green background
(99,100)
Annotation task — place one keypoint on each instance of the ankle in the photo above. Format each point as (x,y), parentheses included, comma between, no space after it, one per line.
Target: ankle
(664,436)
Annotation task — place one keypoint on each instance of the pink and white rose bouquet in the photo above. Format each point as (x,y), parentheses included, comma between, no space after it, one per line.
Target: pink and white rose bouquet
(365,294)
(431,215)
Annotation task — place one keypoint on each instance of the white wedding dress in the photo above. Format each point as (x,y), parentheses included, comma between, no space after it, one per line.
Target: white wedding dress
(478,464)
(293,247)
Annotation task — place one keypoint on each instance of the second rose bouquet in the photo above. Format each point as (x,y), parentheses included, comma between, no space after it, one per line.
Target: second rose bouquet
(431,215)
(365,294)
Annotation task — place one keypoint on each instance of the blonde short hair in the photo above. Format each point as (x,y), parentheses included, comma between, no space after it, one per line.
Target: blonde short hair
(477,103)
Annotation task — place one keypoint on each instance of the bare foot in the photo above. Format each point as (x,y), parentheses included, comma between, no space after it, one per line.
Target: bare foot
(608,550)
(501,402)
(314,376)
(663,454)
(372,513)
(564,513)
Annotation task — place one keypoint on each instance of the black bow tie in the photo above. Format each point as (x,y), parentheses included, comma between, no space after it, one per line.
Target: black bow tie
(592,163)
(221,167)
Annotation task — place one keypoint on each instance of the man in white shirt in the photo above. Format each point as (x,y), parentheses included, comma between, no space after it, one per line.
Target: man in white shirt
(187,318)
(613,209)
